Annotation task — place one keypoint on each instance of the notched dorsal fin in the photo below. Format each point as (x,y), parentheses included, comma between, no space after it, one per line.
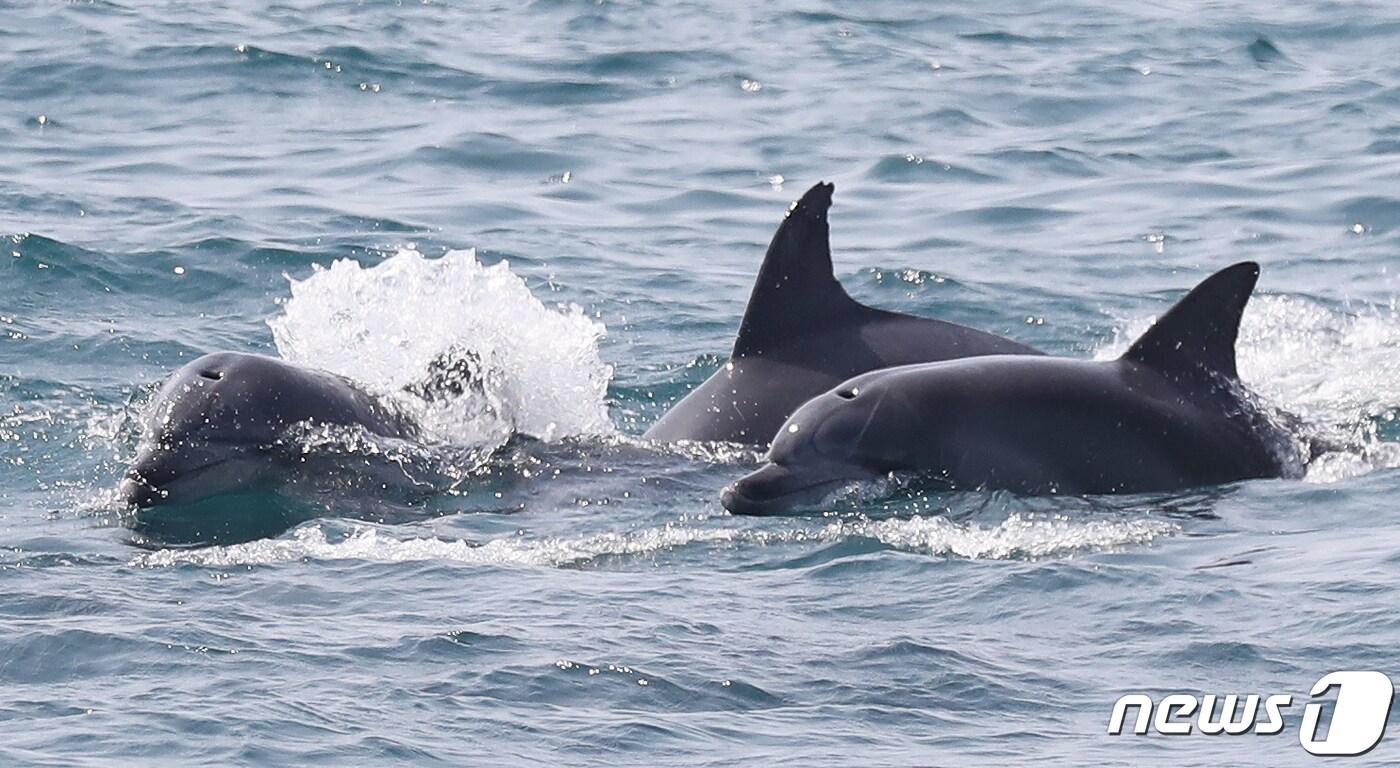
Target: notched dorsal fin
(796,289)
(1197,336)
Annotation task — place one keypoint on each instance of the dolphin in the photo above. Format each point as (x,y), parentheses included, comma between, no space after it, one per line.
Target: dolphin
(802,334)
(214,427)
(1170,413)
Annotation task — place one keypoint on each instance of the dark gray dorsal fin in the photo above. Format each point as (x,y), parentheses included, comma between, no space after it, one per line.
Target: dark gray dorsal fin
(1196,337)
(796,291)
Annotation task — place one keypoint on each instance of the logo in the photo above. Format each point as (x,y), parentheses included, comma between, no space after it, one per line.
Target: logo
(1356,725)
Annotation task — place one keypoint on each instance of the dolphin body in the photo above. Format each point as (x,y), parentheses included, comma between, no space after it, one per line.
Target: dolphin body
(214,427)
(1171,413)
(802,334)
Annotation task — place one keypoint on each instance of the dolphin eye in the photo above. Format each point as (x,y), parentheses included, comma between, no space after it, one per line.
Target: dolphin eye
(849,393)
(211,375)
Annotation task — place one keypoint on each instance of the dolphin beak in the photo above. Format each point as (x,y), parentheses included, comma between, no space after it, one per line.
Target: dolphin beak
(186,474)
(734,500)
(157,471)
(143,481)
(136,491)
(773,489)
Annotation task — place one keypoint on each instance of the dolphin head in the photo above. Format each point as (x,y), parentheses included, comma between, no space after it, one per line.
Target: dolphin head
(213,426)
(833,439)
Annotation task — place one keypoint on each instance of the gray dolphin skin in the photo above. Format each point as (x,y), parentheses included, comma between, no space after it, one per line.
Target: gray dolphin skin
(802,334)
(213,427)
(1169,414)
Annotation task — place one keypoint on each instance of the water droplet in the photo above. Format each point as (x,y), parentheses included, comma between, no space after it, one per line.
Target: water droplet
(776,182)
(751,86)
(792,428)
(179,270)
(1358,228)
(42,119)
(241,48)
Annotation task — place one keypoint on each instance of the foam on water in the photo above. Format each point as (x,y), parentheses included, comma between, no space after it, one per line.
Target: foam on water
(1017,537)
(367,543)
(538,371)
(1339,371)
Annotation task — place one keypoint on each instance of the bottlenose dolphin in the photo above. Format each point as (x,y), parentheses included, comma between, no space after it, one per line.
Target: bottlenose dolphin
(802,334)
(214,427)
(1170,413)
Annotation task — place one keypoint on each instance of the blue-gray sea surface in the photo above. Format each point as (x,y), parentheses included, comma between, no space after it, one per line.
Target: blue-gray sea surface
(580,192)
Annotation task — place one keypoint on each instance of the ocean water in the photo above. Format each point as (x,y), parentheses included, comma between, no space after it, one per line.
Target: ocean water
(580,192)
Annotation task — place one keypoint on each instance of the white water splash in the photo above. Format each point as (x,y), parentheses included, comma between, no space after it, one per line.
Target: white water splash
(1017,537)
(1338,371)
(538,368)
(365,543)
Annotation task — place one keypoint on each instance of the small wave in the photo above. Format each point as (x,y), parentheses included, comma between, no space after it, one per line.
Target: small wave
(703,451)
(1010,216)
(534,370)
(1263,51)
(367,543)
(1018,537)
(1338,371)
(912,167)
(494,153)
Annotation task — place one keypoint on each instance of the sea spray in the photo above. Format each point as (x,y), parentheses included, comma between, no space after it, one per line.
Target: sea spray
(535,369)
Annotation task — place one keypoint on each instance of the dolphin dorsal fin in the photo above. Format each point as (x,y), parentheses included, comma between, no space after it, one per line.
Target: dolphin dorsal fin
(1196,337)
(796,290)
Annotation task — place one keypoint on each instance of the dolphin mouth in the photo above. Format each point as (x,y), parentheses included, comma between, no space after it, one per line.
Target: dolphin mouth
(773,490)
(139,489)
